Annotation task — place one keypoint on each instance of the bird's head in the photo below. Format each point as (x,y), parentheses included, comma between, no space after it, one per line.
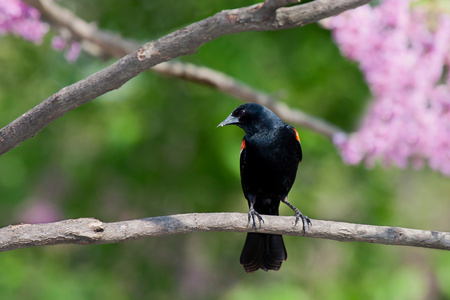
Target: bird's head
(253,118)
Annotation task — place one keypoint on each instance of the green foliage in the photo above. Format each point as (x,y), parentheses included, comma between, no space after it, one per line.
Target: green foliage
(152,148)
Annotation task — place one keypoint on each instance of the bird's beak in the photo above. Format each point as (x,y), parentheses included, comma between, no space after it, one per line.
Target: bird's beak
(230,120)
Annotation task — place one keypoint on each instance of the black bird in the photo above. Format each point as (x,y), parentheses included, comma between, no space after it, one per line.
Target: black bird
(270,154)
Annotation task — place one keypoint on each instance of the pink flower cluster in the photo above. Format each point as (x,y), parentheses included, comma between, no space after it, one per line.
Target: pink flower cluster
(20,19)
(404,53)
(74,50)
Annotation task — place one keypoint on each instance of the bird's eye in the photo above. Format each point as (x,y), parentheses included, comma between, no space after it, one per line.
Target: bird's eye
(242,112)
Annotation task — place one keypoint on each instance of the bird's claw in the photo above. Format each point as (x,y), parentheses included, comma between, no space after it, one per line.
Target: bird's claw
(298,215)
(251,216)
(305,220)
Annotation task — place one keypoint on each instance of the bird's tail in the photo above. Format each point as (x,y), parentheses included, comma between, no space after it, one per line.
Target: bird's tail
(263,251)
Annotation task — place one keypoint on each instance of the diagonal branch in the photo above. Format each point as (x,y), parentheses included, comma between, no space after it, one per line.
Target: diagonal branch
(109,44)
(88,231)
(240,90)
(181,42)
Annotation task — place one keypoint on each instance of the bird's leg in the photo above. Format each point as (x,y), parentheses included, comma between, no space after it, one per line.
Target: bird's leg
(252,213)
(298,215)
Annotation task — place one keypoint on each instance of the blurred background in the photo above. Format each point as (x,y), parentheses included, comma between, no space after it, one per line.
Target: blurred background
(152,148)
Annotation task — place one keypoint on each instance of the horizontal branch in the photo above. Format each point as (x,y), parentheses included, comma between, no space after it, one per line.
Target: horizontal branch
(182,42)
(88,231)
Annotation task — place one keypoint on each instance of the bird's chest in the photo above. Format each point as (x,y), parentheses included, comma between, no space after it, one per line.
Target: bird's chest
(267,160)
(268,168)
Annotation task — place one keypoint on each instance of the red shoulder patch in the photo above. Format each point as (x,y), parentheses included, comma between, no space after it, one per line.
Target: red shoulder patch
(243,145)
(296,135)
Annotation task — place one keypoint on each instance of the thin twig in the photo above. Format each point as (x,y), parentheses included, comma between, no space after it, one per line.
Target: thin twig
(88,231)
(240,90)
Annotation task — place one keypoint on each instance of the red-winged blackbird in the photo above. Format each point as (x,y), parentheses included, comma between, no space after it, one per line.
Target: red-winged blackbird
(270,154)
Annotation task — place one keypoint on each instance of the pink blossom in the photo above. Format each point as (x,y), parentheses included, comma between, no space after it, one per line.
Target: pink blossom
(403,58)
(73,52)
(58,43)
(20,19)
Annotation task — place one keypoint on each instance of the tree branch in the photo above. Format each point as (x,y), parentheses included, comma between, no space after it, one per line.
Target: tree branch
(88,231)
(104,43)
(240,90)
(182,42)
(269,6)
